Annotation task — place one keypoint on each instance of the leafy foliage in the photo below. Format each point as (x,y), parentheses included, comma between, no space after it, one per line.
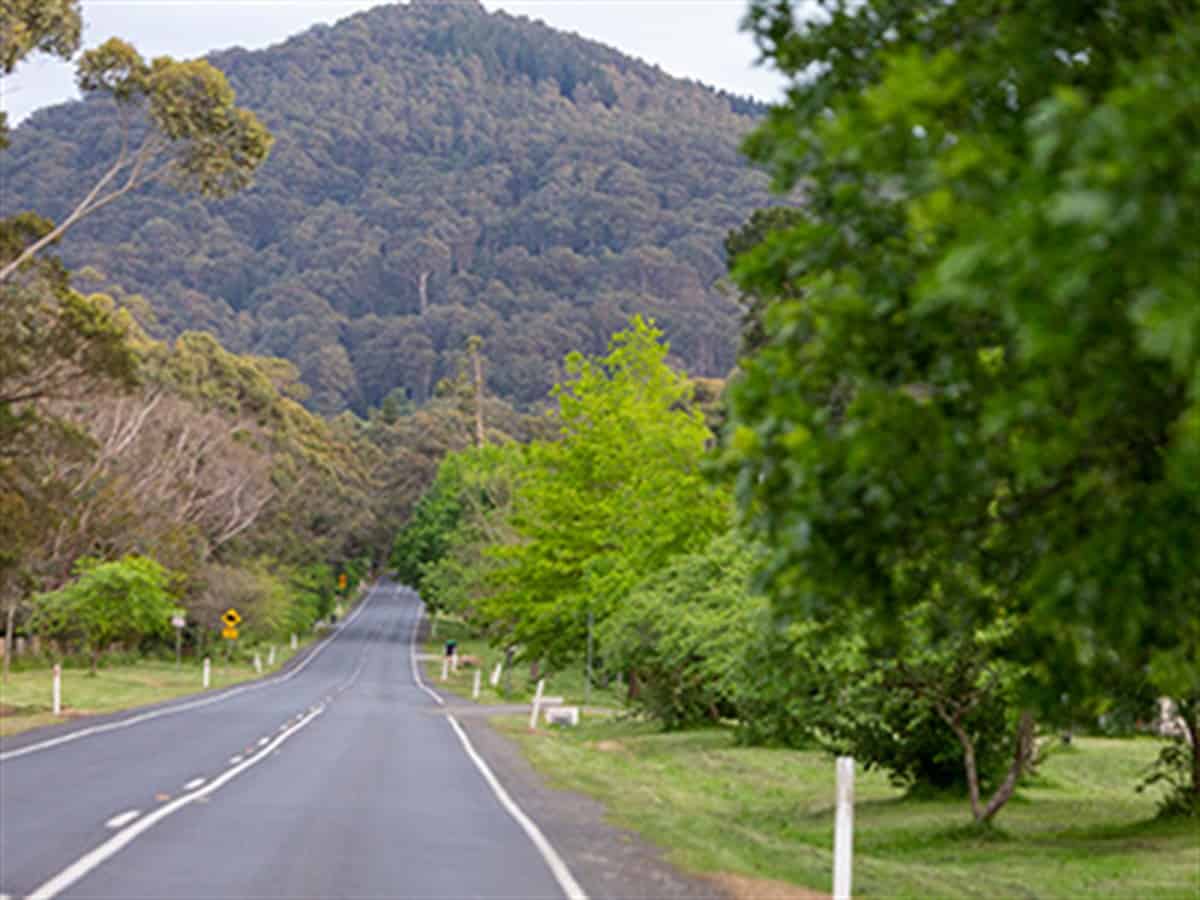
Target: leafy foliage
(978,387)
(122,600)
(439,172)
(610,502)
(686,635)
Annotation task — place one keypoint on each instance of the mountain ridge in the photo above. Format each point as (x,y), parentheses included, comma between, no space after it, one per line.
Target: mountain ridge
(439,171)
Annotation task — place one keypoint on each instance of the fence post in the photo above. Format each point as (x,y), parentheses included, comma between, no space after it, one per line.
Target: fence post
(495,679)
(475,689)
(207,671)
(537,703)
(57,692)
(843,835)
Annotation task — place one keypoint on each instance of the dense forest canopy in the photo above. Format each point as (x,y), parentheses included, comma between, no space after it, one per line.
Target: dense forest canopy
(438,172)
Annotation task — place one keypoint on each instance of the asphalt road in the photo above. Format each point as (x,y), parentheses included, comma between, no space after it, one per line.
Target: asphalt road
(342,779)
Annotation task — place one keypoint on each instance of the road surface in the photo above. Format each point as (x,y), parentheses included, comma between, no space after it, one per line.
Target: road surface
(342,778)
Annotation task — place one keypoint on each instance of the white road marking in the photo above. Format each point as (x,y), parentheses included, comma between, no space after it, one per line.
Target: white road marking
(412,655)
(262,742)
(195,704)
(113,845)
(234,760)
(557,867)
(123,819)
(193,784)
(553,861)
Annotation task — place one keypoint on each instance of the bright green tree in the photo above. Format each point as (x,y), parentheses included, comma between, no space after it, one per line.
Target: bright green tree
(979,381)
(123,600)
(619,494)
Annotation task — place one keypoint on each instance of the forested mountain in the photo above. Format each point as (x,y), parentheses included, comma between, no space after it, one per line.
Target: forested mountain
(438,172)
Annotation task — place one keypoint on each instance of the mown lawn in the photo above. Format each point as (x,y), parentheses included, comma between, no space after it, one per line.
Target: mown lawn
(1077,830)
(25,700)
(569,684)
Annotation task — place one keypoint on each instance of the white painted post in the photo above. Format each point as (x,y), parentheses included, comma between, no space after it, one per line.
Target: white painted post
(454,660)
(843,834)
(257,663)
(207,671)
(537,703)
(445,667)
(295,643)
(495,679)
(271,656)
(57,689)
(475,689)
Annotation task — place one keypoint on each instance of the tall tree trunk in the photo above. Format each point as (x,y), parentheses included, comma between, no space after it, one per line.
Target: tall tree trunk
(477,363)
(423,290)
(10,615)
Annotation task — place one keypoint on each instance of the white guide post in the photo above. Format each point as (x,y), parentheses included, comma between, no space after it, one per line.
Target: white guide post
(207,671)
(495,679)
(454,659)
(475,689)
(57,692)
(843,833)
(537,703)
(445,667)
(295,643)
(257,663)
(271,656)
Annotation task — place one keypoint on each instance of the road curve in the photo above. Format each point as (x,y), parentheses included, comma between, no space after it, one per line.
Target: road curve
(344,780)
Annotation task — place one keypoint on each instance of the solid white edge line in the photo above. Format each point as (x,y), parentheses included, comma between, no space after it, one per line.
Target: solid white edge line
(118,841)
(412,656)
(195,704)
(193,784)
(123,819)
(553,861)
(557,867)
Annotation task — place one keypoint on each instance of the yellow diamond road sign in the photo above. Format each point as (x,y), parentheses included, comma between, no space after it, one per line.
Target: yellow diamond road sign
(231,618)
(229,633)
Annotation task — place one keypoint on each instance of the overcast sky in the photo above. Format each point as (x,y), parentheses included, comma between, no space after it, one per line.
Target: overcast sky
(690,38)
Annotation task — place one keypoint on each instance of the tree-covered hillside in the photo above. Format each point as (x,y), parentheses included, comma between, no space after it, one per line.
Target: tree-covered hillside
(438,172)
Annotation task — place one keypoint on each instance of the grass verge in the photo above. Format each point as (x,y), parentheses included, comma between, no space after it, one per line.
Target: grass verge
(1077,829)
(25,700)
(517,687)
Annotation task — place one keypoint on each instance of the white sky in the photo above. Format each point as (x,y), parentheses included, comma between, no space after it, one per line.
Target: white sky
(697,39)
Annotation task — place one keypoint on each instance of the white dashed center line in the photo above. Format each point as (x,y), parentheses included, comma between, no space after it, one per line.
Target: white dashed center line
(123,819)
(193,784)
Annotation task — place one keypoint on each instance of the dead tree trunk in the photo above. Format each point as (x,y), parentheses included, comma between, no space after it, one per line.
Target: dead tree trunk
(473,346)
(423,290)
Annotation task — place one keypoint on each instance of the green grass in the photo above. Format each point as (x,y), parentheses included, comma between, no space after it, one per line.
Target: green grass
(25,700)
(1078,829)
(570,684)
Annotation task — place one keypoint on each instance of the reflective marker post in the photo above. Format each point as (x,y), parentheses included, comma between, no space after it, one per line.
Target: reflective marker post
(57,690)
(207,671)
(843,829)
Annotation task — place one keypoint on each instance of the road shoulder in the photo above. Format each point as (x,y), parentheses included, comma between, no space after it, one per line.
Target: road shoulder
(610,863)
